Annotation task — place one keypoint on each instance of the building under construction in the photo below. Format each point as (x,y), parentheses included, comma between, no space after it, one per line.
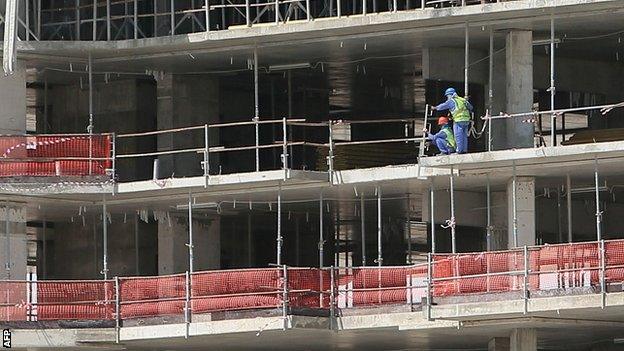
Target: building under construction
(253,175)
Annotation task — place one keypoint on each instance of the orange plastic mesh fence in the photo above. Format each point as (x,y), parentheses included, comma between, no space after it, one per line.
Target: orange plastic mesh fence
(309,287)
(14,298)
(614,259)
(43,155)
(236,290)
(375,286)
(152,296)
(564,266)
(67,300)
(473,273)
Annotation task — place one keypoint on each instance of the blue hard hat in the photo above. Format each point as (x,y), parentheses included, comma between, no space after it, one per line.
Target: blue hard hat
(450,91)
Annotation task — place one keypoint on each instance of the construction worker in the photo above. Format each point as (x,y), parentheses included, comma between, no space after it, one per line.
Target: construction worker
(444,139)
(460,110)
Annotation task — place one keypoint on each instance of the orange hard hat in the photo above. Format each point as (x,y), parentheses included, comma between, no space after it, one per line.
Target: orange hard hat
(443,120)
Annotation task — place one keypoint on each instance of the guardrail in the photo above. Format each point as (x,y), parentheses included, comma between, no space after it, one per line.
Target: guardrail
(588,268)
(121,20)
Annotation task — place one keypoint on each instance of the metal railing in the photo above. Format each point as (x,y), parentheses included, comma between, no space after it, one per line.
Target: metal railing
(527,273)
(136,19)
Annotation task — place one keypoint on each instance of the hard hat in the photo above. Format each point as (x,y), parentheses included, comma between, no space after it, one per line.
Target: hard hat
(443,120)
(450,91)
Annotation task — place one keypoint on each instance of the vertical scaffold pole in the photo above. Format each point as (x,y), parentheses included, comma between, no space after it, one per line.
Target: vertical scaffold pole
(206,154)
(90,126)
(490,88)
(7,232)
(187,303)
(603,284)
(526,279)
(104,238)
(256,108)
(363,227)
(379,229)
(452,224)
(207,13)
(553,121)
(108,20)
(285,148)
(321,249)
(117,311)
(285,296)
(514,201)
(429,283)
(598,212)
(408,230)
(190,232)
(279,225)
(569,205)
(432,215)
(489,214)
(466,59)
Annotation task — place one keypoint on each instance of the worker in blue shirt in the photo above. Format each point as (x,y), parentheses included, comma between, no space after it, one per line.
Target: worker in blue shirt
(460,110)
(444,139)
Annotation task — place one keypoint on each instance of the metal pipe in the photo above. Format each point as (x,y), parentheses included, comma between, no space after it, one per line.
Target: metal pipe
(297,242)
(190,232)
(379,228)
(553,126)
(45,103)
(339,8)
(432,204)
(453,238)
(7,231)
(321,244)
(117,311)
(598,212)
(108,21)
(44,258)
(249,241)
(94,29)
(490,88)
(603,285)
(172,18)
(559,229)
(284,148)
(27,20)
(135,19)
(247,14)
(279,225)
(308,14)
(136,245)
(514,206)
(207,13)
(78,19)
(90,72)
(429,276)
(277,12)
(187,303)
(256,107)
(104,238)
(489,214)
(330,158)
(466,59)
(526,279)
(206,153)
(363,228)
(408,230)
(569,205)
(285,296)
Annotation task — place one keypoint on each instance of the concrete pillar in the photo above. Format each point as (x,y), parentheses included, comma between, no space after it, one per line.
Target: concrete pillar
(13,248)
(519,87)
(172,241)
(498,344)
(525,211)
(523,340)
(13,102)
(184,101)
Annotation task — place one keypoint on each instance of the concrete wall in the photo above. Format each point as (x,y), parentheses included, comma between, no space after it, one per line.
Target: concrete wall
(470,208)
(173,250)
(121,106)
(184,101)
(13,248)
(78,248)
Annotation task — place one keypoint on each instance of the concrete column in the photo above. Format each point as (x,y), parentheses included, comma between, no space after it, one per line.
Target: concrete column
(172,249)
(523,340)
(498,344)
(13,249)
(13,102)
(525,211)
(519,87)
(184,101)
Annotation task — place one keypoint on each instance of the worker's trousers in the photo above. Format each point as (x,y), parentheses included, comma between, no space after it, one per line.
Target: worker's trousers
(443,146)
(461,130)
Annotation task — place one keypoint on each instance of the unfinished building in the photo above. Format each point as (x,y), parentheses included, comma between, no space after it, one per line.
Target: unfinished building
(253,174)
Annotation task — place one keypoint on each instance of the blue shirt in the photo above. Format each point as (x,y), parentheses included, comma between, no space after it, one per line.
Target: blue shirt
(449,104)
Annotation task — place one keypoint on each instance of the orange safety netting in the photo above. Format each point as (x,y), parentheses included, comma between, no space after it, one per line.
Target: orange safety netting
(46,156)
(14,301)
(374,286)
(84,300)
(309,287)
(236,290)
(152,296)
